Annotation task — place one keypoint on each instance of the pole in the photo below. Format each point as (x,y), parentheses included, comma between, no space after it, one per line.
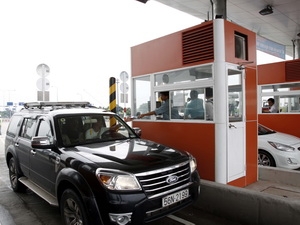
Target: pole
(112,98)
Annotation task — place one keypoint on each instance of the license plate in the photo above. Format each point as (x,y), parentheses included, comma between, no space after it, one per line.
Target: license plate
(176,197)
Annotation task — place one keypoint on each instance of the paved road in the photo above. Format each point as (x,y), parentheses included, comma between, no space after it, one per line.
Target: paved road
(27,208)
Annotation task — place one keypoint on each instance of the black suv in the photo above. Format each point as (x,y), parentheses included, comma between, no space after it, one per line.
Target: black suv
(96,168)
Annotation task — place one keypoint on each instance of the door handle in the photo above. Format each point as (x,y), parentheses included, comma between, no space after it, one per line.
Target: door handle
(33,152)
(232,126)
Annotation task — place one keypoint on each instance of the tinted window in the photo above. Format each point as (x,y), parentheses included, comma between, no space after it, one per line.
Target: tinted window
(44,130)
(28,128)
(15,123)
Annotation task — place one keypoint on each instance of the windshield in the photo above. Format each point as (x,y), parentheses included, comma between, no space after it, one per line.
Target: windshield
(264,130)
(83,129)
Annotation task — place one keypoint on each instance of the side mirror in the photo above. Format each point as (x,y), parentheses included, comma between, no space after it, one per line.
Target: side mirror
(137,130)
(41,142)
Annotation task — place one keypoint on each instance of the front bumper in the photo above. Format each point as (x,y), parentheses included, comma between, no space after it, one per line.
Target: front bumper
(137,208)
(287,160)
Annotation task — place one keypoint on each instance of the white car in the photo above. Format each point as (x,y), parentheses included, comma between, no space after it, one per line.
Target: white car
(278,149)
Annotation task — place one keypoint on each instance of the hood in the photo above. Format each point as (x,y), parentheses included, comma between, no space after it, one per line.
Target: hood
(282,138)
(131,155)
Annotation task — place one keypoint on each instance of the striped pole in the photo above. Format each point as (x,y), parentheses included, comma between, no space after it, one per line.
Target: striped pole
(112,98)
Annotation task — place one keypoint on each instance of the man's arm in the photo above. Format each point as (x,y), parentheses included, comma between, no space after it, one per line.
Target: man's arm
(147,114)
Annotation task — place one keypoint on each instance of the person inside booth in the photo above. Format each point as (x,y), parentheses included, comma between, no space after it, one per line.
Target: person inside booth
(272,107)
(194,108)
(209,106)
(163,109)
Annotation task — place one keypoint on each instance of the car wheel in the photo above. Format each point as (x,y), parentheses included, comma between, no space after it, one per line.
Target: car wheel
(72,209)
(14,176)
(265,159)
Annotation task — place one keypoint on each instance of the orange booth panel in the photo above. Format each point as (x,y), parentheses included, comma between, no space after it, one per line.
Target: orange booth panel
(198,139)
(286,123)
(271,73)
(251,94)
(192,46)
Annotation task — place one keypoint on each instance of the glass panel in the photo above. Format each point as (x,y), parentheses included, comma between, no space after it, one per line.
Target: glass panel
(209,106)
(270,105)
(142,95)
(193,107)
(180,76)
(286,97)
(169,105)
(235,96)
(178,102)
(193,103)
(281,87)
(289,104)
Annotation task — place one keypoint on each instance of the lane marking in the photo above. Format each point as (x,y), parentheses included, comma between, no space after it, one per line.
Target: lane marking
(180,220)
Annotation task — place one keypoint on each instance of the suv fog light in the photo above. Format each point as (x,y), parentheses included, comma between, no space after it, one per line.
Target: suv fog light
(120,219)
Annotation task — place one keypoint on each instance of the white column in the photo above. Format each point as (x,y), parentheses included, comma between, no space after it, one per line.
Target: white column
(220,102)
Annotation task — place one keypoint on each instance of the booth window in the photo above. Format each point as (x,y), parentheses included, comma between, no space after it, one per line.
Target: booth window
(235,96)
(187,93)
(142,94)
(190,103)
(286,96)
(186,104)
(185,75)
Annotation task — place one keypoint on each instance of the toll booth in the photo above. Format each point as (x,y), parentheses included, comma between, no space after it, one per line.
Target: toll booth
(216,56)
(280,81)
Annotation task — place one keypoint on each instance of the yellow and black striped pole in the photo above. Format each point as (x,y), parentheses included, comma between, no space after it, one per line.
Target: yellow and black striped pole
(112,98)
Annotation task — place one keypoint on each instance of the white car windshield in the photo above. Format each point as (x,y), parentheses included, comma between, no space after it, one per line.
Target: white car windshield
(262,130)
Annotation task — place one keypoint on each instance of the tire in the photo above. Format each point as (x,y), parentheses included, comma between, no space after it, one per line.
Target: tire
(72,209)
(14,176)
(265,159)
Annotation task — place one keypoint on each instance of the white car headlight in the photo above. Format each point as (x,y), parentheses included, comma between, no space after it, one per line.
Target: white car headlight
(117,180)
(281,147)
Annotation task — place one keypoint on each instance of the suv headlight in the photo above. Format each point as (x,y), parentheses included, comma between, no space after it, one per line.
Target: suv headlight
(117,180)
(193,163)
(281,147)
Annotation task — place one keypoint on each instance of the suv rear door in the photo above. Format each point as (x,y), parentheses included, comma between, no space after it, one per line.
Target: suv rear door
(23,144)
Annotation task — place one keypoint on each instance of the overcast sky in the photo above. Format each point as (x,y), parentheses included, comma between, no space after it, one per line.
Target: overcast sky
(84,42)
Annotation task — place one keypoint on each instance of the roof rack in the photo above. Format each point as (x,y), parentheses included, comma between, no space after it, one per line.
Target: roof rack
(43,104)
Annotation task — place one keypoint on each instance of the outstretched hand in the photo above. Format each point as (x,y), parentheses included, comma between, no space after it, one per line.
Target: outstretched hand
(128,119)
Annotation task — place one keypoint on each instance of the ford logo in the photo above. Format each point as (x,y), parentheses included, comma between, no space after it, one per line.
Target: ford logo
(172,179)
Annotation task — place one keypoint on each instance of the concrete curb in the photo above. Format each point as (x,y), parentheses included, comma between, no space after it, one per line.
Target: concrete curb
(282,176)
(249,207)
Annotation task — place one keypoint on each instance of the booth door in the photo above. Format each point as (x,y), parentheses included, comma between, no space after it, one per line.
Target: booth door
(236,125)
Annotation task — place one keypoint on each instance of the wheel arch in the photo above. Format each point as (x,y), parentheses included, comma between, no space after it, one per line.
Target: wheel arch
(10,153)
(269,153)
(69,178)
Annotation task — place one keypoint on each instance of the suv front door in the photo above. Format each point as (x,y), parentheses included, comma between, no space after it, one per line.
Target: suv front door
(44,162)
